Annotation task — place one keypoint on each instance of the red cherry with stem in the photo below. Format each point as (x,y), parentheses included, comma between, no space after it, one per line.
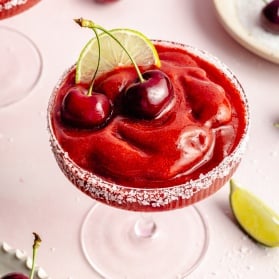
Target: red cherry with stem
(83,110)
(148,98)
(270,16)
(86,109)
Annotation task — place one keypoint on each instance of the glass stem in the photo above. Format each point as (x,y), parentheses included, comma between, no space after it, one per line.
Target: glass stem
(145,227)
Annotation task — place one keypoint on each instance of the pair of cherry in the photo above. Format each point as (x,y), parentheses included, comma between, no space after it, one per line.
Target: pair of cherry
(142,99)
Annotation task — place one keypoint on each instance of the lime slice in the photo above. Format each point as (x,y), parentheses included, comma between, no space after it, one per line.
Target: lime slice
(256,218)
(140,48)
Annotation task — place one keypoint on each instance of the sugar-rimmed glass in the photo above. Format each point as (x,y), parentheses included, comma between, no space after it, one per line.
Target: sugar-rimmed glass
(151,232)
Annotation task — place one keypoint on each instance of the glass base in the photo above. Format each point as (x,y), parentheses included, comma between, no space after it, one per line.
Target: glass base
(135,245)
(21,66)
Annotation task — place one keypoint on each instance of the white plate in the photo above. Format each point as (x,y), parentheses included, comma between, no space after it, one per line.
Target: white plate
(15,260)
(241,19)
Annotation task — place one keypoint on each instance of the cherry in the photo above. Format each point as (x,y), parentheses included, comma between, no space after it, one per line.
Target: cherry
(270,16)
(85,111)
(14,276)
(148,98)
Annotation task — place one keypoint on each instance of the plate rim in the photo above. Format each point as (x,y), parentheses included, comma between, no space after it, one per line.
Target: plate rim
(239,33)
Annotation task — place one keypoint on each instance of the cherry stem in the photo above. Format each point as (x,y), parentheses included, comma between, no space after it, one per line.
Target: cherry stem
(36,245)
(98,63)
(90,24)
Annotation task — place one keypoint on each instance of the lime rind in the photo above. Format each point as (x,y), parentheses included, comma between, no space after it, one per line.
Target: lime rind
(138,45)
(257,219)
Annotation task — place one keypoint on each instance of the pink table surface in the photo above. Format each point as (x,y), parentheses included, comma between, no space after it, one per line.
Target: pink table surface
(35,196)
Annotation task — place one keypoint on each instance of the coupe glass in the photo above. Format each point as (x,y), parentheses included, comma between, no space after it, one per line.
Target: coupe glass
(21,61)
(148,233)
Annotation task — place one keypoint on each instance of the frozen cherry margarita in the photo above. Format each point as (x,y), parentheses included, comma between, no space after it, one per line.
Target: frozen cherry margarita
(146,126)
(193,129)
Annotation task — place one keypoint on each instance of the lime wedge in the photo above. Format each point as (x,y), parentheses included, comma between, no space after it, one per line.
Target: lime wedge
(140,48)
(258,220)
